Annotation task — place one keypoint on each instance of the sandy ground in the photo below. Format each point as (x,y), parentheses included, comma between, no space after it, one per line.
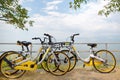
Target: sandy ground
(76,74)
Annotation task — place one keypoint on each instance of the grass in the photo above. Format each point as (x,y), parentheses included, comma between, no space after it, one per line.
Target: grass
(39,66)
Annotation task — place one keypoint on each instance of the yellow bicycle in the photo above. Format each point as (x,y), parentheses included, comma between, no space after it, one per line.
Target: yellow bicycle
(14,64)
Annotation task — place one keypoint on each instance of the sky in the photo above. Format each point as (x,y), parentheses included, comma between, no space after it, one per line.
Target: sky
(56,18)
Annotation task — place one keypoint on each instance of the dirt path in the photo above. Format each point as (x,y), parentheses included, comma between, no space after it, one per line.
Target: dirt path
(76,74)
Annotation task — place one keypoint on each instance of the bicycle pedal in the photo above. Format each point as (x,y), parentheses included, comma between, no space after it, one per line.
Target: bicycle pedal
(29,65)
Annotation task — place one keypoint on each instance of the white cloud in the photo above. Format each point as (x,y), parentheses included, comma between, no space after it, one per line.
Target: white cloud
(52,5)
(61,25)
(87,26)
(87,23)
(56,14)
(55,2)
(23,1)
(26,1)
(29,9)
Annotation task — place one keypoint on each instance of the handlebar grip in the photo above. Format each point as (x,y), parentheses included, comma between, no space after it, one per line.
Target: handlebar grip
(47,35)
(49,38)
(72,37)
(76,34)
(34,38)
(38,38)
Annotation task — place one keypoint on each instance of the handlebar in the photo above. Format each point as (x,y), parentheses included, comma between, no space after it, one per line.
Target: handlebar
(49,37)
(38,38)
(73,36)
(35,38)
(42,41)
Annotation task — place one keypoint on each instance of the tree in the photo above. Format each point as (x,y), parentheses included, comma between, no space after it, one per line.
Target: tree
(112,6)
(13,13)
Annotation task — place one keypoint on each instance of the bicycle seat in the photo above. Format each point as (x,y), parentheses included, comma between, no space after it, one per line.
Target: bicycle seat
(24,43)
(92,45)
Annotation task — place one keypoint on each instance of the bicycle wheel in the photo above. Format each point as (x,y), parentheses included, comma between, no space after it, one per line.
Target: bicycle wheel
(59,67)
(72,57)
(108,65)
(7,65)
(44,65)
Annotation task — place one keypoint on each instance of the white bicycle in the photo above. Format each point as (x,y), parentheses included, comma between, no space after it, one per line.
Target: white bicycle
(103,60)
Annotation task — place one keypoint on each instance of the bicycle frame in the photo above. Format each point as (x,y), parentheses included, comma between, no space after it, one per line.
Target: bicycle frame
(38,55)
(86,60)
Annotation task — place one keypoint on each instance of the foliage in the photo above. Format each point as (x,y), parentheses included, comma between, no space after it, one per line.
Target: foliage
(13,13)
(77,3)
(111,7)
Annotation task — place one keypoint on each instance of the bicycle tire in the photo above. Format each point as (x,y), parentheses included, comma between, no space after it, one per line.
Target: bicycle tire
(44,65)
(6,68)
(108,65)
(72,57)
(58,69)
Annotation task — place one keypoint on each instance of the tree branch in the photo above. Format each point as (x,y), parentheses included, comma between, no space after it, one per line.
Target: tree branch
(4,20)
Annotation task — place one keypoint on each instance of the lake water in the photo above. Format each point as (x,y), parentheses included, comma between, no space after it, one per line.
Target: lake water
(81,47)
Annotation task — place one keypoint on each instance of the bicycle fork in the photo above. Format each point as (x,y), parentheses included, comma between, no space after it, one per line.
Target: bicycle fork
(56,58)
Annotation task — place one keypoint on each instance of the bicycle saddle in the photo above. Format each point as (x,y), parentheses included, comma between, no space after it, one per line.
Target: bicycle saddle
(92,45)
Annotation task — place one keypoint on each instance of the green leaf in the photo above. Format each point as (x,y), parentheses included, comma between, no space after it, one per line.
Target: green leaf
(13,13)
